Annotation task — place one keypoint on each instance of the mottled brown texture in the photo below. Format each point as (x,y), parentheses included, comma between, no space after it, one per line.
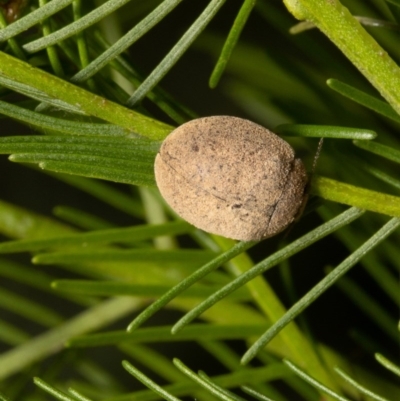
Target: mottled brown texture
(231,177)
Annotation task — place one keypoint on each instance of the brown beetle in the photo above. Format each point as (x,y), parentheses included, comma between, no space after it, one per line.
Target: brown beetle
(231,177)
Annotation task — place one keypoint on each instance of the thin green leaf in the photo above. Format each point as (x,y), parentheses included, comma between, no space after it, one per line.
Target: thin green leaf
(176,111)
(389,365)
(378,23)
(301,26)
(364,99)
(15,47)
(4,398)
(163,334)
(80,155)
(389,179)
(366,21)
(71,29)
(156,213)
(196,379)
(223,353)
(51,51)
(99,380)
(105,192)
(382,150)
(211,388)
(142,170)
(148,383)
(355,196)
(255,394)
(243,376)
(358,386)
(378,269)
(16,222)
(77,396)
(33,18)
(81,219)
(80,37)
(324,131)
(46,344)
(315,383)
(392,253)
(127,40)
(37,94)
(293,341)
(189,281)
(100,157)
(112,235)
(45,87)
(320,288)
(181,257)
(231,41)
(395,2)
(235,379)
(58,394)
(176,52)
(154,360)
(36,279)
(223,394)
(297,385)
(29,309)
(25,275)
(374,265)
(370,306)
(109,174)
(60,125)
(277,257)
(11,334)
(145,150)
(109,288)
(357,44)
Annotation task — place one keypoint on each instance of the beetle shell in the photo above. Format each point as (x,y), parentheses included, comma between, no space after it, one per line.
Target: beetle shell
(231,177)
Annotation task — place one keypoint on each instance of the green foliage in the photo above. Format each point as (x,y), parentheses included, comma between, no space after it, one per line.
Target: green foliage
(72,71)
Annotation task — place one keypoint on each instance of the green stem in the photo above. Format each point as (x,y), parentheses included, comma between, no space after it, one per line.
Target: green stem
(15,47)
(355,196)
(51,50)
(336,22)
(231,41)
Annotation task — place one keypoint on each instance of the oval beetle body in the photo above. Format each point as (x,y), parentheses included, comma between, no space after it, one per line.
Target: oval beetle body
(231,177)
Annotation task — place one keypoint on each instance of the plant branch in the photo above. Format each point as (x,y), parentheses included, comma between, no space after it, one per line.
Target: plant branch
(52,87)
(336,22)
(355,196)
